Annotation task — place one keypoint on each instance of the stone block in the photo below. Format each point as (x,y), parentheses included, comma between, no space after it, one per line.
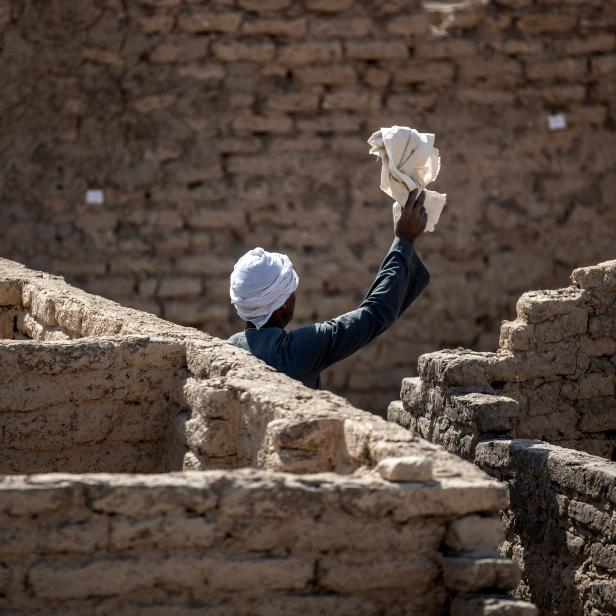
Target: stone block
(457,368)
(180,50)
(487,412)
(275,27)
(323,52)
(408,468)
(423,72)
(517,336)
(109,577)
(363,576)
(408,25)
(604,556)
(562,327)
(377,50)
(212,438)
(351,99)
(238,51)
(333,74)
(341,27)
(208,21)
(10,293)
(548,23)
(597,414)
(475,574)
(260,124)
(591,518)
(180,287)
(254,576)
(595,277)
(566,69)
(473,533)
(598,43)
(163,533)
(603,66)
(294,102)
(397,414)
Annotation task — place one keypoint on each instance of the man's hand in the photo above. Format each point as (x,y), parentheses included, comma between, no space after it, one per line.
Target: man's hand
(413,218)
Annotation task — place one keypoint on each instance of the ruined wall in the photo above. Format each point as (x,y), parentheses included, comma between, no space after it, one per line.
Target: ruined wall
(553,378)
(101,405)
(213,127)
(400,525)
(561,525)
(248,542)
(213,405)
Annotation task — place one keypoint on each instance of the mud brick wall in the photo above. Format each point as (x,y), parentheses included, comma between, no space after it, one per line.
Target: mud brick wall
(213,405)
(249,542)
(401,524)
(561,526)
(553,378)
(86,406)
(213,127)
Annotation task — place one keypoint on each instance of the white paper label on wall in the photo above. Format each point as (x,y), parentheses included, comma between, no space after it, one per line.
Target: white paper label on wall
(95,196)
(557,121)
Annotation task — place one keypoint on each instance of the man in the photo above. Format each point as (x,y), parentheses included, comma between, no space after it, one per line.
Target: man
(263,291)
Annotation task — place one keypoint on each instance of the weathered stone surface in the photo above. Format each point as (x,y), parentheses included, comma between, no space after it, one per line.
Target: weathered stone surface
(555,379)
(176,397)
(473,574)
(409,468)
(475,534)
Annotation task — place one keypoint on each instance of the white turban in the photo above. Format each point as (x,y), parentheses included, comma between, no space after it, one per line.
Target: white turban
(261,282)
(410,161)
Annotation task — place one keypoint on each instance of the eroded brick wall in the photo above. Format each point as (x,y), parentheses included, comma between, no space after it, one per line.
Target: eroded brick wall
(399,525)
(247,542)
(561,525)
(553,378)
(102,405)
(216,126)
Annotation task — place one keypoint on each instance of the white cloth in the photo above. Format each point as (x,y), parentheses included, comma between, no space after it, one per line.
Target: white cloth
(261,282)
(410,161)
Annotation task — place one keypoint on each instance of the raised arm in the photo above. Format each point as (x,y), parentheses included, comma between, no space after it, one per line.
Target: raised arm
(400,279)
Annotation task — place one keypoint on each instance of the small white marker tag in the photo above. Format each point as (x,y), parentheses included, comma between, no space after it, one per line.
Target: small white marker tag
(557,121)
(95,196)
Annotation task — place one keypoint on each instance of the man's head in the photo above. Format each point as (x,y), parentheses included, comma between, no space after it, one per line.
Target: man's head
(263,288)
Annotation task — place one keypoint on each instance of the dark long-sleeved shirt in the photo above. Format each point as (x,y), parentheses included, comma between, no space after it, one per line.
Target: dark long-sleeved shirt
(305,352)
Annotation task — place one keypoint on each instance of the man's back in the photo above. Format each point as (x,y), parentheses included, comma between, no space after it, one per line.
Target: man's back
(305,352)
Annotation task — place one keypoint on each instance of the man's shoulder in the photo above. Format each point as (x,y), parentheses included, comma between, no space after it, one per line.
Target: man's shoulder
(239,340)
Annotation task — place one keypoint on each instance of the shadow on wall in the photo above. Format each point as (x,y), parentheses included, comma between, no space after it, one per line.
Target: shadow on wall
(560,523)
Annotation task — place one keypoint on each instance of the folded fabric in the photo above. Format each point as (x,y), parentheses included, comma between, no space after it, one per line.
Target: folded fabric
(410,161)
(261,282)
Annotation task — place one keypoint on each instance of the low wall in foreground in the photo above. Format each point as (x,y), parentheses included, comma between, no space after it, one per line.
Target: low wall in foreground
(554,379)
(365,519)
(247,542)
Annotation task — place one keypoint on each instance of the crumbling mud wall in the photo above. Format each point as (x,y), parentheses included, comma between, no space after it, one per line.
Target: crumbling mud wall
(100,405)
(561,524)
(248,542)
(307,503)
(553,380)
(213,127)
